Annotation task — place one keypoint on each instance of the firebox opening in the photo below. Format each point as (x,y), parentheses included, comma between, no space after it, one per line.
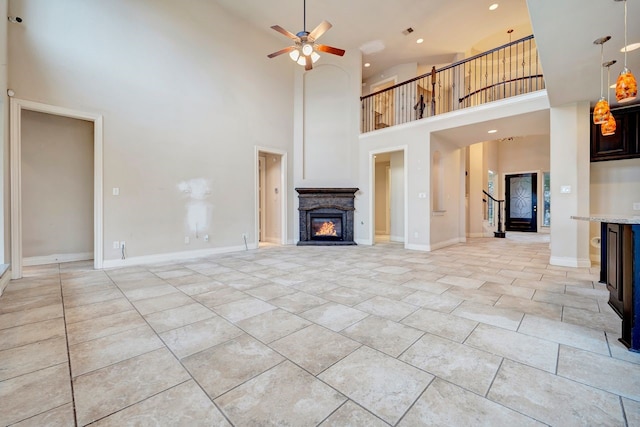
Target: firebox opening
(326,228)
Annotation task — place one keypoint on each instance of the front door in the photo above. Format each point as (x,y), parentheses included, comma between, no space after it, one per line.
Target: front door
(521,210)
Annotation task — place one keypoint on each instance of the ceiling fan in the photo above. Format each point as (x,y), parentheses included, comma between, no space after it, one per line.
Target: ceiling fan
(304,50)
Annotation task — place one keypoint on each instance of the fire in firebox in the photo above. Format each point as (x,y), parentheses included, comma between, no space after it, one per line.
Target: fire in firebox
(327,228)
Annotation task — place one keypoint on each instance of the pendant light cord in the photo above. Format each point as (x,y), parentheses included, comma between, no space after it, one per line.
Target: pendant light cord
(601,69)
(625,34)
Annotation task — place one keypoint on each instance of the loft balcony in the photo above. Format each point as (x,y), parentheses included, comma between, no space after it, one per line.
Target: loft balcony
(509,70)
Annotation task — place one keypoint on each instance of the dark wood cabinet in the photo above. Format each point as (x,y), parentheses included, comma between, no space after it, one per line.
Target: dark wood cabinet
(625,143)
(614,266)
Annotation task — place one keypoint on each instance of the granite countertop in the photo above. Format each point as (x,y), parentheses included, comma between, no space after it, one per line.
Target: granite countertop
(614,219)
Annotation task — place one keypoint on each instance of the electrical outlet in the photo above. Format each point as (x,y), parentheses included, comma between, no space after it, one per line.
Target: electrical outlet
(186,240)
(206,237)
(636,206)
(116,244)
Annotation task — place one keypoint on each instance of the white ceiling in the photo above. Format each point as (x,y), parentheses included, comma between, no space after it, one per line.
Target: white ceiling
(564,30)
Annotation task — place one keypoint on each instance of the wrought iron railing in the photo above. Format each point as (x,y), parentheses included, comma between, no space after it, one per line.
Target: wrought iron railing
(508,70)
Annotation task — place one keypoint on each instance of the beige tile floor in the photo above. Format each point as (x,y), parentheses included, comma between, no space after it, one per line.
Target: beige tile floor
(483,333)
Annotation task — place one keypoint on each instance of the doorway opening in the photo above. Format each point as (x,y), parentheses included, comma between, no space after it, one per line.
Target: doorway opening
(271,197)
(388,197)
(521,209)
(19,215)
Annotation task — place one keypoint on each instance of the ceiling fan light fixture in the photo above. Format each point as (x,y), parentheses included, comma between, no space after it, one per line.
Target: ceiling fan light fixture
(302,61)
(314,57)
(307,49)
(294,55)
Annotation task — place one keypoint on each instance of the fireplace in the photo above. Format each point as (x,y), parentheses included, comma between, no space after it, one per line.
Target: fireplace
(326,216)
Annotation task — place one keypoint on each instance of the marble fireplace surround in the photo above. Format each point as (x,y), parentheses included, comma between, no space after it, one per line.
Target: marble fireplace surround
(329,202)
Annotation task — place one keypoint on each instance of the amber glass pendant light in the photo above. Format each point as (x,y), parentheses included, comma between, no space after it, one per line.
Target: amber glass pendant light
(601,110)
(608,127)
(626,86)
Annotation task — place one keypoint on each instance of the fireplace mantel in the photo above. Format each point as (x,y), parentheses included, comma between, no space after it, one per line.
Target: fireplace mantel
(335,203)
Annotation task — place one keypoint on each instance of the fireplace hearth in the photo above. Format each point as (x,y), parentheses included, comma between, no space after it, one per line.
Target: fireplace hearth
(326,216)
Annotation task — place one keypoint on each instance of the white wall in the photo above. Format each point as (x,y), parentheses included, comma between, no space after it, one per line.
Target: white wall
(57,185)
(615,186)
(570,137)
(476,173)
(396,186)
(186,91)
(448,224)
(400,72)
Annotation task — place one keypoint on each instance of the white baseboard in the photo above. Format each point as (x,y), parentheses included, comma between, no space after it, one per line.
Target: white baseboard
(56,258)
(365,242)
(399,239)
(414,247)
(570,262)
(472,235)
(450,242)
(158,258)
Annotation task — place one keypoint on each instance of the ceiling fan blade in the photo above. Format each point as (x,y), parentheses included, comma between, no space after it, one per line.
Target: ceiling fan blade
(320,30)
(309,65)
(284,32)
(281,51)
(330,49)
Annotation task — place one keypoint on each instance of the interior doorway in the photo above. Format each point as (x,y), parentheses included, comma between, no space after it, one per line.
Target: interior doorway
(388,197)
(17,107)
(521,210)
(271,197)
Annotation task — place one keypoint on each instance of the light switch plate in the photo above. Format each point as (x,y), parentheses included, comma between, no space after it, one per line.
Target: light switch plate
(116,191)
(636,206)
(565,189)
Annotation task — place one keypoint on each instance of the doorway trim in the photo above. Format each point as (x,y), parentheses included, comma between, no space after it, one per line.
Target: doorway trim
(503,191)
(372,188)
(15,141)
(284,191)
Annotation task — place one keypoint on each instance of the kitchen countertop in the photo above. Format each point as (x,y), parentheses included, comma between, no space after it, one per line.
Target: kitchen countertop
(614,219)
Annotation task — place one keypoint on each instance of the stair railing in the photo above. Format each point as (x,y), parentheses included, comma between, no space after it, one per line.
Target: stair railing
(500,233)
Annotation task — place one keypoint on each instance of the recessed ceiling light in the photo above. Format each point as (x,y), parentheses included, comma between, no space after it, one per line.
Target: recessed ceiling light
(630,47)
(494,6)
(493,131)
(367,65)
(419,41)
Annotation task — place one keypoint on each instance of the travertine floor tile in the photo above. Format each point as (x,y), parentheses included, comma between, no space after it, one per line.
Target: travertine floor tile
(575,301)
(387,308)
(177,317)
(603,372)
(315,348)
(271,291)
(383,335)
(381,384)
(201,287)
(284,395)
(199,336)
(183,405)
(243,309)
(460,364)
(164,302)
(60,416)
(32,394)
(607,320)
(298,302)
(632,411)
(33,315)
(353,415)
(478,296)
(95,354)
(463,282)
(553,400)
(496,316)
(273,325)
(445,325)
(346,296)
(110,389)
(103,326)
(76,300)
(525,349)
(225,366)
(565,333)
(31,333)
(443,303)
(98,309)
(11,305)
(28,358)
(442,403)
(334,316)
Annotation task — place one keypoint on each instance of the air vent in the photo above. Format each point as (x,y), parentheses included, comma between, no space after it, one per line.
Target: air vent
(407,31)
